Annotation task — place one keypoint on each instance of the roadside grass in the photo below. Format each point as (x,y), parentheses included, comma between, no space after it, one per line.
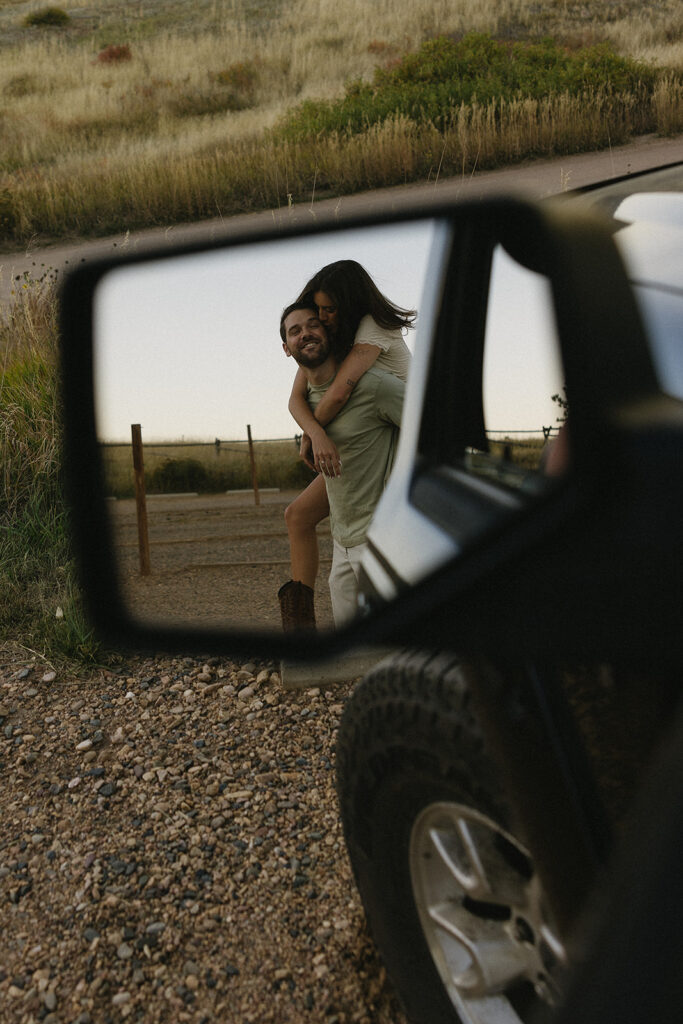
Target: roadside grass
(252,174)
(39,598)
(137,114)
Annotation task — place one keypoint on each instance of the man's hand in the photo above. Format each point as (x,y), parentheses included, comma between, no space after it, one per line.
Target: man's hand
(325,455)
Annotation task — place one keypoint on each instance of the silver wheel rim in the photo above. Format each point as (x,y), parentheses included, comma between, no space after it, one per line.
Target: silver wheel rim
(481,909)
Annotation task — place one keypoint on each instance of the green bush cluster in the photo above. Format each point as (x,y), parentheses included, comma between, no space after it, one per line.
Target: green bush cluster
(243,76)
(21,85)
(277,465)
(229,90)
(47,16)
(175,476)
(429,84)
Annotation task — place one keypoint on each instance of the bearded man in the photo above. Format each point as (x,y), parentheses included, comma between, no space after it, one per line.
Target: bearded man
(365,432)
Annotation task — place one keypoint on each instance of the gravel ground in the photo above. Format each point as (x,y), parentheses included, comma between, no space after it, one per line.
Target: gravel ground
(171,849)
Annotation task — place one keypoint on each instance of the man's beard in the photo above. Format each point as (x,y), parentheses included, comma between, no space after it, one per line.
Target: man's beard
(313,359)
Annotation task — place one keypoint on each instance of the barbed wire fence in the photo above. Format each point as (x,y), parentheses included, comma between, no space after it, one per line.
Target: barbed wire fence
(222,445)
(532,439)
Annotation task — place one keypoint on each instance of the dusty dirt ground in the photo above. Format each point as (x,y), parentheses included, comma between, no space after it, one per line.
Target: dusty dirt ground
(216,560)
(171,849)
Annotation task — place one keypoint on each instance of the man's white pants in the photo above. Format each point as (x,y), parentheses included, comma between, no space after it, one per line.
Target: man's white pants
(343,580)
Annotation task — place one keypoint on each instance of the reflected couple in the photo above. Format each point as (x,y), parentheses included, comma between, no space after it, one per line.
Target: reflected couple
(184,348)
(353,361)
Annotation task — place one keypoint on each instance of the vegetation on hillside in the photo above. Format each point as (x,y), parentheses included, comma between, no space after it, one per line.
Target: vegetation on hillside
(134,114)
(430,84)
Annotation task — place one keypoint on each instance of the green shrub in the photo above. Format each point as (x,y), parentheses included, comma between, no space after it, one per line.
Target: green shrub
(243,76)
(21,85)
(175,476)
(277,466)
(235,86)
(430,84)
(207,470)
(48,16)
(200,103)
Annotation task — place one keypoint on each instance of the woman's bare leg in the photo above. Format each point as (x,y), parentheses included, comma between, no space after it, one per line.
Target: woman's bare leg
(302,517)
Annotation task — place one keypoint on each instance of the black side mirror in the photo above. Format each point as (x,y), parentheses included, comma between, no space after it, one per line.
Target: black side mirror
(128,335)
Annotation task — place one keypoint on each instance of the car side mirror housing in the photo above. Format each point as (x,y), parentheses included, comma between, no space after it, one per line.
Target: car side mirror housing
(157,347)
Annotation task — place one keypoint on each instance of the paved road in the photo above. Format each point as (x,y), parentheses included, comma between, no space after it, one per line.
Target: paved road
(535,179)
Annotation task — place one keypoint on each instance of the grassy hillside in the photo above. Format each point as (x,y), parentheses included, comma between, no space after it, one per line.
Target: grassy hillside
(124,115)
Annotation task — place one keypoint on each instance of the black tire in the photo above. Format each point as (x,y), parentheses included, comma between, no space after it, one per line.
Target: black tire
(412,777)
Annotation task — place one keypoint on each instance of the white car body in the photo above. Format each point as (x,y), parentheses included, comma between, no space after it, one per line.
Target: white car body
(404,545)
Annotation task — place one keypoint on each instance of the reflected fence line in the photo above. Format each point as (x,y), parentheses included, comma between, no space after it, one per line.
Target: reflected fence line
(238,466)
(185,476)
(140,499)
(525,438)
(523,447)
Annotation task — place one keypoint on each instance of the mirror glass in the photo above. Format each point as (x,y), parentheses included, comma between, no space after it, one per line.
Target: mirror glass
(496,437)
(523,388)
(200,453)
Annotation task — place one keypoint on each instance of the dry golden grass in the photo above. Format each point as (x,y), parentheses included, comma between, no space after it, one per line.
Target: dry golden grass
(177,132)
(36,573)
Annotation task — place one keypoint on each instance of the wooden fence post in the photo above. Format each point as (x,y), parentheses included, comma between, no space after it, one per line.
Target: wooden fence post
(140,500)
(254,479)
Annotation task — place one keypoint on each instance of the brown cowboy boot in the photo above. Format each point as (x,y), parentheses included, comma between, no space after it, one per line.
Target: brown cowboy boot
(296,606)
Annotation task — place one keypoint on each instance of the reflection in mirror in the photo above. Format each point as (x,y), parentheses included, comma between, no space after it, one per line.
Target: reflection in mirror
(200,452)
(523,390)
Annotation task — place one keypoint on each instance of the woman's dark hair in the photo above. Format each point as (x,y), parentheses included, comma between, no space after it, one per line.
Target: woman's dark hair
(355,295)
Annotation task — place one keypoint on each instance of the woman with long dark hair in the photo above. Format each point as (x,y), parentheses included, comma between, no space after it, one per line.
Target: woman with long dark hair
(365,329)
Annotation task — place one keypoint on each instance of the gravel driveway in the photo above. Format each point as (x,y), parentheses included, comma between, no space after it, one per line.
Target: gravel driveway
(171,849)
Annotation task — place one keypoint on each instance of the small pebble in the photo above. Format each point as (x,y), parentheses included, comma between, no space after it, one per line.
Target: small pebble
(168,853)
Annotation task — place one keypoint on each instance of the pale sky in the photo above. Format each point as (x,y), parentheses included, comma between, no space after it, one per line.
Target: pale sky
(189,347)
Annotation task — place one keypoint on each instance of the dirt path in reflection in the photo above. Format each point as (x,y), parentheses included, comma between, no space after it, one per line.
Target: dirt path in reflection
(216,560)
